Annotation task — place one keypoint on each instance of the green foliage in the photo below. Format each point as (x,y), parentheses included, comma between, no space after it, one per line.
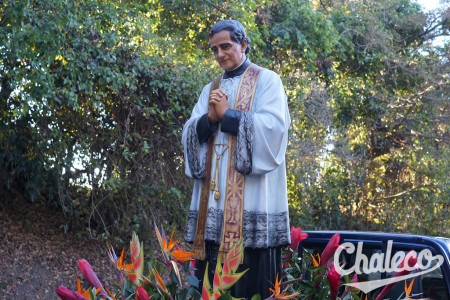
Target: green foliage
(384,126)
(101,108)
(297,33)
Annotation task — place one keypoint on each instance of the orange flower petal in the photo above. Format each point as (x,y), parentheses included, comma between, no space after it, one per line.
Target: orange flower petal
(316,262)
(79,287)
(120,260)
(182,256)
(159,281)
(276,291)
(171,242)
(409,288)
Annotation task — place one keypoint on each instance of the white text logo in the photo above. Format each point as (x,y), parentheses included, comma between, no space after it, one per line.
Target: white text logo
(386,262)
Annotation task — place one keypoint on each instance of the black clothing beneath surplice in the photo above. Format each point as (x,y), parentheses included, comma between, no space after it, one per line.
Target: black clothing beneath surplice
(263,264)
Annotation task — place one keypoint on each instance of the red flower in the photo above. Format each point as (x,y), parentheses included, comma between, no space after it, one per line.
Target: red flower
(296,237)
(412,260)
(141,294)
(66,294)
(285,260)
(192,267)
(89,275)
(334,279)
(329,250)
(354,278)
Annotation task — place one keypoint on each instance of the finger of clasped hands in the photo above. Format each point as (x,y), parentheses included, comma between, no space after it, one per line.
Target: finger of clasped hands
(218,104)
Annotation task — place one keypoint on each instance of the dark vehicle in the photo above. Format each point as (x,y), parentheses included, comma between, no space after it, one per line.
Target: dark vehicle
(427,284)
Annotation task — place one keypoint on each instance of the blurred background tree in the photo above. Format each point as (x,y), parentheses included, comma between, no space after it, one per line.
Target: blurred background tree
(94,95)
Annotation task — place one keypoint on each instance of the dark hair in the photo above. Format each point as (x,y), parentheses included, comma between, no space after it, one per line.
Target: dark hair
(236,29)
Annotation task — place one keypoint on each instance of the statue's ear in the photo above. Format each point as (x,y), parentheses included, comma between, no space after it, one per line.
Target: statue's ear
(244,45)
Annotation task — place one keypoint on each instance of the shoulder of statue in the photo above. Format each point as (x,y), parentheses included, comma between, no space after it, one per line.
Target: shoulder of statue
(215,84)
(256,66)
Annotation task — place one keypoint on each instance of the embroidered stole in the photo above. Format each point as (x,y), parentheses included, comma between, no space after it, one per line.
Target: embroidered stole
(199,238)
(234,196)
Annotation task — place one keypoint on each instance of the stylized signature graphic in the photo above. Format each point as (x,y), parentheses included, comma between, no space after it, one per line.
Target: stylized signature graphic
(385,262)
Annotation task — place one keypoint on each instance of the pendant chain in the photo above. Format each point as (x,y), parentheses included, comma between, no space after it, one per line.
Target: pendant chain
(214,185)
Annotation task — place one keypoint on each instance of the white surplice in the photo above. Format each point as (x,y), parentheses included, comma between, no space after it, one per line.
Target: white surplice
(266,217)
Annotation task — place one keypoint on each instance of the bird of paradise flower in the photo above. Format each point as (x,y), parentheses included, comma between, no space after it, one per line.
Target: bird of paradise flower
(135,269)
(169,250)
(277,294)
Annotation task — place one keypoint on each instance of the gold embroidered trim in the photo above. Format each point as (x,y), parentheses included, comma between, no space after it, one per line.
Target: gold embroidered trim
(234,196)
(199,238)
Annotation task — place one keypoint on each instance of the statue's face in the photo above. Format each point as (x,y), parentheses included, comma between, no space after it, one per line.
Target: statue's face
(227,53)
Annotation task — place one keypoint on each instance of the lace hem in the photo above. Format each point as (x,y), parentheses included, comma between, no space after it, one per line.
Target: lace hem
(244,145)
(260,229)
(196,164)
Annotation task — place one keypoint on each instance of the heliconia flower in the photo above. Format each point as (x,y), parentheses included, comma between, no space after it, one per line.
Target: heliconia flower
(296,237)
(141,294)
(67,294)
(224,276)
(334,279)
(126,268)
(137,260)
(411,262)
(207,291)
(228,280)
(89,275)
(233,258)
(217,280)
(223,281)
(206,288)
(277,294)
(330,249)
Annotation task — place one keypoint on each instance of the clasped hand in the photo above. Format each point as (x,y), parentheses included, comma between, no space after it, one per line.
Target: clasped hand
(218,104)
